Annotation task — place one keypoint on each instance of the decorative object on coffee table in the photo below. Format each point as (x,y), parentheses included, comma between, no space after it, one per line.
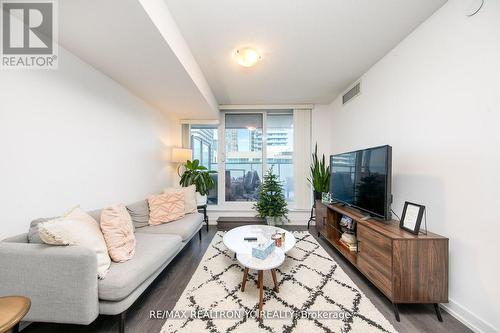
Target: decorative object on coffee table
(263,250)
(271,203)
(12,311)
(198,175)
(319,179)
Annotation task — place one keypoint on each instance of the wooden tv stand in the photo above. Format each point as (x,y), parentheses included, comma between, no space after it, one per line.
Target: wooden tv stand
(406,268)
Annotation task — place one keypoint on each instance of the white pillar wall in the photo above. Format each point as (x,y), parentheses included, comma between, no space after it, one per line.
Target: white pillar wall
(302,157)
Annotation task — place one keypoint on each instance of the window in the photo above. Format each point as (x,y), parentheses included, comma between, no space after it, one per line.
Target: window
(204,143)
(280,149)
(250,142)
(243,151)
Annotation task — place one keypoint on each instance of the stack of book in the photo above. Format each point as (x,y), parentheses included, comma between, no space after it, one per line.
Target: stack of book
(349,241)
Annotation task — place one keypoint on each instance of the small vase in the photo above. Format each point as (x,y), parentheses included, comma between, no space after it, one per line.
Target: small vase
(274,220)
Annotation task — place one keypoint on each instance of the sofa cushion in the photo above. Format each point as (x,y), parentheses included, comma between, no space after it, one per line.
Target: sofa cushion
(118,231)
(96,214)
(189,197)
(151,252)
(77,228)
(139,212)
(33,235)
(185,227)
(166,207)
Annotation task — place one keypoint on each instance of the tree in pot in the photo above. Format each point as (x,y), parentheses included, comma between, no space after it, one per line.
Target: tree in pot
(271,203)
(198,175)
(320,174)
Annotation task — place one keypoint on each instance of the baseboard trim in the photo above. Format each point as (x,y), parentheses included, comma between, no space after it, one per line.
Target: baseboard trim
(469,319)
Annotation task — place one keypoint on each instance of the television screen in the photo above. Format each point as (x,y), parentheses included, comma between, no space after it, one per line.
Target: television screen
(362,179)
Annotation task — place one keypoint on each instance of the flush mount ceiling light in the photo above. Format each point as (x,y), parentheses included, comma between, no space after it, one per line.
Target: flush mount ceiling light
(247,57)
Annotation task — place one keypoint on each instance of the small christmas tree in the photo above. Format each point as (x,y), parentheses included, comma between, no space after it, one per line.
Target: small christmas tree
(271,203)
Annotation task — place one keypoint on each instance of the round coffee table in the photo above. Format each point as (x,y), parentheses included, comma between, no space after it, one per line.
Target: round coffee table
(234,241)
(12,311)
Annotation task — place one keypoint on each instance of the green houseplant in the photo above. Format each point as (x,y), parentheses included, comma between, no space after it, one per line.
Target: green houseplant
(198,175)
(271,203)
(320,174)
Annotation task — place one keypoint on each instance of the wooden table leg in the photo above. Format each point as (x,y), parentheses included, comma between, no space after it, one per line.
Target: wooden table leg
(261,291)
(245,276)
(273,273)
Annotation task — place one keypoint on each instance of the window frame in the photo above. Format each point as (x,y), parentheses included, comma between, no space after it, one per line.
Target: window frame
(221,156)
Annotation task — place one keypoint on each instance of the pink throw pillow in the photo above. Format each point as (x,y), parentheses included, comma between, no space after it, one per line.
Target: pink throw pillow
(118,231)
(166,207)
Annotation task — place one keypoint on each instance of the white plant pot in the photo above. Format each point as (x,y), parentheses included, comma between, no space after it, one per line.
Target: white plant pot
(201,199)
(274,220)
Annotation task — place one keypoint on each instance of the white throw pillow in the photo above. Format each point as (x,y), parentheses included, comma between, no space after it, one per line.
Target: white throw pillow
(77,228)
(189,197)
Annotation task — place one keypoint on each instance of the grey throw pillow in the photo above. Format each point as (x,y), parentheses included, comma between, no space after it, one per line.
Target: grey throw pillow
(96,215)
(139,212)
(33,236)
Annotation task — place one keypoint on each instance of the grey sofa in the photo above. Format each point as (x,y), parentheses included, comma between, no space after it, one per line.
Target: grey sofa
(61,281)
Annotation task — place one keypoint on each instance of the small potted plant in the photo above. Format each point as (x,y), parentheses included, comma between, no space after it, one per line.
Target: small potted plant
(271,203)
(198,175)
(320,174)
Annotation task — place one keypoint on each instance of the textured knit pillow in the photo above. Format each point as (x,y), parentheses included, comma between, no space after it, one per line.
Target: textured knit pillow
(77,228)
(118,231)
(166,207)
(189,197)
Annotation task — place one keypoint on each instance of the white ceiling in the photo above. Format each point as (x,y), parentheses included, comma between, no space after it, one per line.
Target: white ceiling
(120,39)
(312,49)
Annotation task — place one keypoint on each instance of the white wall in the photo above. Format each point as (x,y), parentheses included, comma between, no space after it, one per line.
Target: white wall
(73,136)
(321,129)
(435,98)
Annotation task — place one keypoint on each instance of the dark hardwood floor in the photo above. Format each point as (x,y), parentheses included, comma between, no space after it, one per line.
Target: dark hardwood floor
(165,291)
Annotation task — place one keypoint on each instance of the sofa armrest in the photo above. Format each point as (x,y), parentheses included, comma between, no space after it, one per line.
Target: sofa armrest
(61,281)
(21,238)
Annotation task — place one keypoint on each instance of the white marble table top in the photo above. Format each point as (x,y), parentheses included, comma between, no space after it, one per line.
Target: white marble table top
(234,238)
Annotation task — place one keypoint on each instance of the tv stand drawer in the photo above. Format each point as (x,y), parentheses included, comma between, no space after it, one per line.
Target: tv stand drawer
(365,234)
(376,276)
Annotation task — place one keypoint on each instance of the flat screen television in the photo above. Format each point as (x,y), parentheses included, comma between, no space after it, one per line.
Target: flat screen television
(362,179)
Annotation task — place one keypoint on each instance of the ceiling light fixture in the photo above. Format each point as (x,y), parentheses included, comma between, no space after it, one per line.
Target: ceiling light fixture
(247,57)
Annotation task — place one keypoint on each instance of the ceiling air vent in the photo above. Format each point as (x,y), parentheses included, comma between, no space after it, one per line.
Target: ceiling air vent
(353,92)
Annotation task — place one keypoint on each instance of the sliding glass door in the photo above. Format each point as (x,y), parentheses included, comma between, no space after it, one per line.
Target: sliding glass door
(243,155)
(279,129)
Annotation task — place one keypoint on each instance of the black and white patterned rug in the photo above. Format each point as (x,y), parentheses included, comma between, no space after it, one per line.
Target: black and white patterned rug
(315,295)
